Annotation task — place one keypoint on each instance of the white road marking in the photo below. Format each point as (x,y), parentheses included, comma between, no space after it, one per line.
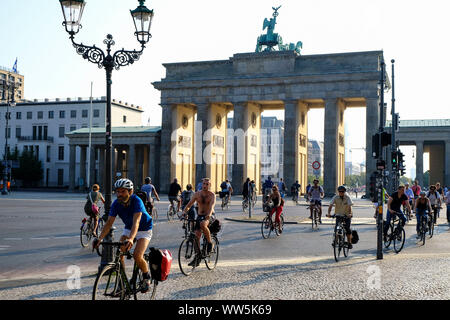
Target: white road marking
(39,238)
(13,239)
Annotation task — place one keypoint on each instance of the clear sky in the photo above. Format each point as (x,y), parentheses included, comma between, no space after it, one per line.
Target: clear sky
(414,33)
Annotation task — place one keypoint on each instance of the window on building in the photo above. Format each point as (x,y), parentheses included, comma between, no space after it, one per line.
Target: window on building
(96,113)
(8,132)
(45,132)
(18,132)
(48,153)
(73,113)
(62,114)
(61,131)
(60,177)
(73,127)
(40,114)
(18,115)
(84,125)
(61,153)
(84,113)
(124,119)
(29,115)
(51,114)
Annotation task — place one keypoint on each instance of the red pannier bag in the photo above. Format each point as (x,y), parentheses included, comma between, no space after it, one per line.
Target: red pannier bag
(160,263)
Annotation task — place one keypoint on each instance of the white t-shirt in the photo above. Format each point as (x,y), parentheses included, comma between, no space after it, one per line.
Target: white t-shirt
(447,196)
(433,198)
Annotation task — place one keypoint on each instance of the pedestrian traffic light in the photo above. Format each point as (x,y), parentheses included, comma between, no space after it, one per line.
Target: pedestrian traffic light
(401,164)
(373,192)
(394,160)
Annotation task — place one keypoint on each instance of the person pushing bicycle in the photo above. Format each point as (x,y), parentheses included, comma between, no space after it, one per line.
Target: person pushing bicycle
(343,211)
(206,201)
(138,225)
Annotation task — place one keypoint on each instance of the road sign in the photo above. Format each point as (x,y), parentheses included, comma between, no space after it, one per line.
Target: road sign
(316,165)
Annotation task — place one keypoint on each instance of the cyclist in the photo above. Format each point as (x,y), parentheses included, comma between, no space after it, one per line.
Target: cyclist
(343,211)
(435,201)
(267,186)
(416,189)
(295,189)
(206,201)
(149,189)
(422,208)
(174,191)
(138,225)
(92,198)
(246,189)
(394,207)
(278,203)
(227,189)
(316,195)
(410,194)
(186,196)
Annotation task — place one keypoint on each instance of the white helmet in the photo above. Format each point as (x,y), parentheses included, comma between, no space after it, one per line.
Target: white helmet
(124,183)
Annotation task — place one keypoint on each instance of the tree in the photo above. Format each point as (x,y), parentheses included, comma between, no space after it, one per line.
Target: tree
(30,170)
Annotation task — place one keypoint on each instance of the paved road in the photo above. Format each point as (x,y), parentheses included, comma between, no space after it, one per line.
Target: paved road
(39,242)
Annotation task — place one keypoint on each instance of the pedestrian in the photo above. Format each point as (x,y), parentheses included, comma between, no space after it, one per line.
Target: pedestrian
(447,204)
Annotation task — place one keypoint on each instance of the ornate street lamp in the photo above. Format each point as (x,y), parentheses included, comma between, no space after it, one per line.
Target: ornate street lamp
(142,17)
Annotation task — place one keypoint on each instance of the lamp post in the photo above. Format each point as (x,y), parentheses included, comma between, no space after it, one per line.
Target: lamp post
(9,87)
(142,18)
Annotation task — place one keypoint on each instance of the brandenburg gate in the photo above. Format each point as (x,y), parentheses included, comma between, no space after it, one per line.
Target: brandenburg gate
(197,96)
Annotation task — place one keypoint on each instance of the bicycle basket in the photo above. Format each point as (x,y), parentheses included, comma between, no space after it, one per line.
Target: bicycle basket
(215,226)
(355,237)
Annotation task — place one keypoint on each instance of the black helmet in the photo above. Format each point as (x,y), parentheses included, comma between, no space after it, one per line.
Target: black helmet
(342,188)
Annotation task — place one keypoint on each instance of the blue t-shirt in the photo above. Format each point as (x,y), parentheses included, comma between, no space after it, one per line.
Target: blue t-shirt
(148,188)
(126,214)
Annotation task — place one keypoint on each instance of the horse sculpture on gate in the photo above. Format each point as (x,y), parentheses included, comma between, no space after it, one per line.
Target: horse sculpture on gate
(271,39)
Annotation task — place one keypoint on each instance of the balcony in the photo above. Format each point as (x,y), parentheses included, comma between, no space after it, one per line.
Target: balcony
(34,139)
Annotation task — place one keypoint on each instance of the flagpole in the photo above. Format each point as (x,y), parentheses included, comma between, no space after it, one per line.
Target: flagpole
(88,181)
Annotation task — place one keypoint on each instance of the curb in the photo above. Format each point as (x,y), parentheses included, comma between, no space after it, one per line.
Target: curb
(255,221)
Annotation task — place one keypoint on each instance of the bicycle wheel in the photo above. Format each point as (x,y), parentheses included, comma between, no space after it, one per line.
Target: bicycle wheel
(109,285)
(245,206)
(266,227)
(154,214)
(186,256)
(387,243)
(85,234)
(170,213)
(337,246)
(136,285)
(423,230)
(399,239)
(211,260)
(279,232)
(431,228)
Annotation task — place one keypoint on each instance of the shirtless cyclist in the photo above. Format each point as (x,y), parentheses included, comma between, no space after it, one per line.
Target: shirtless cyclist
(206,201)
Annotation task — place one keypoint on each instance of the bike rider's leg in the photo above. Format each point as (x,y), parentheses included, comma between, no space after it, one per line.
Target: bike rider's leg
(311,207)
(95,219)
(277,217)
(122,258)
(348,231)
(387,222)
(138,255)
(178,204)
(319,205)
(204,228)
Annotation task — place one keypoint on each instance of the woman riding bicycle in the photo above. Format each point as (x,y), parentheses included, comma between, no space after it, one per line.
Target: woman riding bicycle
(422,208)
(278,203)
(92,198)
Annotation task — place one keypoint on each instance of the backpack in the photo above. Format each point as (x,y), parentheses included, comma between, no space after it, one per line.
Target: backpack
(215,226)
(142,195)
(223,185)
(355,237)
(160,262)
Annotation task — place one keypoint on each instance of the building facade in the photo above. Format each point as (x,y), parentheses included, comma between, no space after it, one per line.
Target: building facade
(42,126)
(9,76)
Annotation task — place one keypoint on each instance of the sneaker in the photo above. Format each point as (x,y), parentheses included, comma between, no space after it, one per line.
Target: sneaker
(209,248)
(350,246)
(145,285)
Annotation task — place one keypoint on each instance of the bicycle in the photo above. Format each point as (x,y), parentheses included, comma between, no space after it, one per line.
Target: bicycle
(112,282)
(295,197)
(395,234)
(225,202)
(315,216)
(407,212)
(87,230)
(154,212)
(423,227)
(171,212)
(340,241)
(268,225)
(190,255)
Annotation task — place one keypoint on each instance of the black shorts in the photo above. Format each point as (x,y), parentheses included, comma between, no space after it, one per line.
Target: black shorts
(198,221)
(173,198)
(347,223)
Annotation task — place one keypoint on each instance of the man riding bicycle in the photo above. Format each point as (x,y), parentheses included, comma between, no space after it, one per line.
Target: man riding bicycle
(410,194)
(435,201)
(227,189)
(394,208)
(316,195)
(295,189)
(206,201)
(138,225)
(149,189)
(422,208)
(174,191)
(343,211)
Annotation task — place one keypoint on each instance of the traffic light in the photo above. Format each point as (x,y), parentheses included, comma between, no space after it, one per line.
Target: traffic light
(394,160)
(373,192)
(401,164)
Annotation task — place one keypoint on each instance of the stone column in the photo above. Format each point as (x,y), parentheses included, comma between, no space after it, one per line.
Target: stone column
(201,126)
(72,164)
(419,162)
(166,148)
(447,163)
(113,163)
(140,164)
(290,142)
(92,176)
(83,165)
(131,163)
(152,162)
(372,127)
(240,126)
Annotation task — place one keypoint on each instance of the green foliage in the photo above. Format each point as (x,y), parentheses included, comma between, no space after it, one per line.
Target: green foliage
(30,171)
(403,180)
(354,181)
(312,178)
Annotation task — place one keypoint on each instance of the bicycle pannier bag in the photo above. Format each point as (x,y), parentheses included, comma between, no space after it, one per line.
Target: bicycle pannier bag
(142,195)
(215,226)
(94,207)
(355,237)
(160,263)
